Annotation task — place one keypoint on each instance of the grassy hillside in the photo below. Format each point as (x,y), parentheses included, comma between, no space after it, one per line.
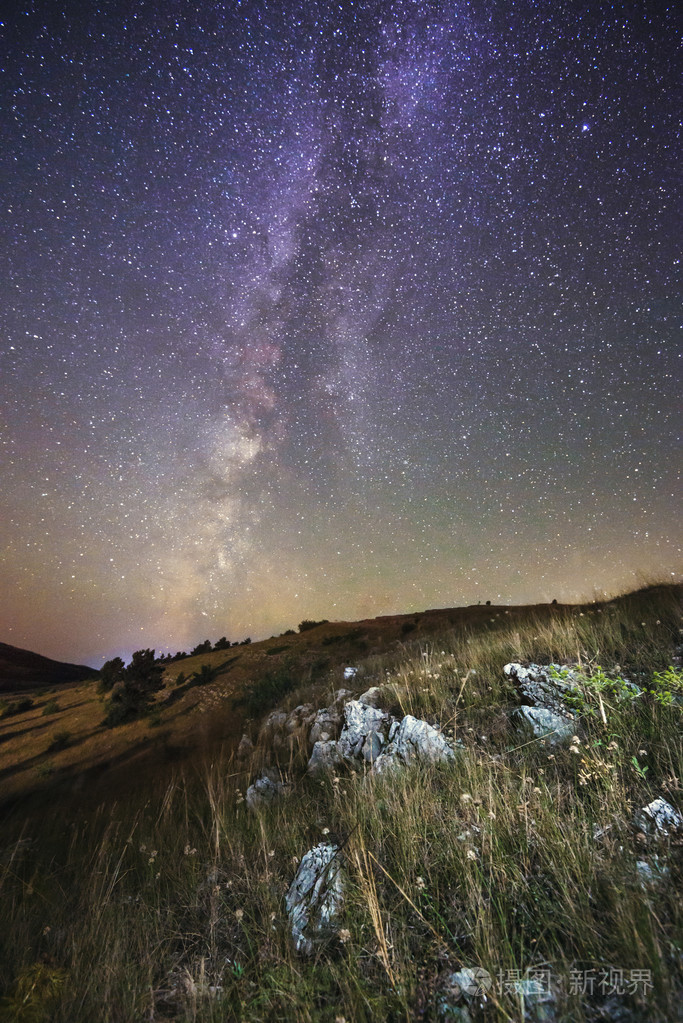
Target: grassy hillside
(168,904)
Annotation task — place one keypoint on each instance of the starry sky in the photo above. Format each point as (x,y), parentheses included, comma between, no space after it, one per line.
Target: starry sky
(316,309)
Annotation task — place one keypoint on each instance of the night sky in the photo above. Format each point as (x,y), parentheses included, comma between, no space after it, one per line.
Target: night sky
(331,310)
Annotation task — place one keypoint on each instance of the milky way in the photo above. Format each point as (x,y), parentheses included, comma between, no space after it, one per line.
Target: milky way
(331,310)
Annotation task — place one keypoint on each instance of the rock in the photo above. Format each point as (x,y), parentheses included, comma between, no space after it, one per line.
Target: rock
(301,715)
(264,790)
(383,696)
(371,697)
(467,986)
(272,729)
(652,873)
(316,897)
(326,724)
(350,673)
(245,747)
(324,758)
(659,818)
(364,731)
(412,740)
(546,723)
(539,688)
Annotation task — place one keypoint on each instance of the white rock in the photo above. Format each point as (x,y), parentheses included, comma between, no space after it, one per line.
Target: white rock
(546,723)
(350,673)
(659,818)
(326,724)
(324,758)
(263,791)
(371,697)
(315,899)
(537,684)
(414,739)
(361,724)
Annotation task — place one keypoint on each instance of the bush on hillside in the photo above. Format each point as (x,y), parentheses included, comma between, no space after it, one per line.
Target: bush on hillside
(132,696)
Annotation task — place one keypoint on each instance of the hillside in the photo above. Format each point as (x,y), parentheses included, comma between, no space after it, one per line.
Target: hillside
(442,859)
(22,669)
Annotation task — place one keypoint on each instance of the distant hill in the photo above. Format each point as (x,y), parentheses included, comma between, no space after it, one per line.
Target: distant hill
(22,669)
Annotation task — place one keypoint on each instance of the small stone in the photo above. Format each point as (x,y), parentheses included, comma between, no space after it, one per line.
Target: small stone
(659,818)
(264,791)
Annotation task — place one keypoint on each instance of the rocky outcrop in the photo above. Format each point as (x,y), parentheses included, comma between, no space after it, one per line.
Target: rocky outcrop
(540,685)
(414,740)
(315,899)
(364,733)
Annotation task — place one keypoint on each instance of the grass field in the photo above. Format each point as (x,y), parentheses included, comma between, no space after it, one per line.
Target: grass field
(168,904)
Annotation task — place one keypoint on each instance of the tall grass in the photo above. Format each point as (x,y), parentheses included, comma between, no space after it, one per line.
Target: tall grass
(170,906)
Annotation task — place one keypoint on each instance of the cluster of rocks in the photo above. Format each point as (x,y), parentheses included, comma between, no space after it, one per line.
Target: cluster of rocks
(360,733)
(376,738)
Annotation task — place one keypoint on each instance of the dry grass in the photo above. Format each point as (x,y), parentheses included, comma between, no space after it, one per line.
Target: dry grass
(171,906)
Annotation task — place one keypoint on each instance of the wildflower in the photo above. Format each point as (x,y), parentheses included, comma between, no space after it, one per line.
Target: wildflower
(344,935)
(613,745)
(642,752)
(551,756)
(471,855)
(271,854)
(189,851)
(465,797)
(420,883)
(574,749)
(326,831)
(239,914)
(143,848)
(537,790)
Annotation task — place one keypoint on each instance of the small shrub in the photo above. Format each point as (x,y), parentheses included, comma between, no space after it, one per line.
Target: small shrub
(273,650)
(60,740)
(51,707)
(268,691)
(308,624)
(8,710)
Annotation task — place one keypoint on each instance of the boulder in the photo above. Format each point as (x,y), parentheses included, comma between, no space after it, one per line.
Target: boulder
(364,731)
(539,688)
(383,696)
(264,790)
(272,729)
(301,715)
(326,724)
(414,740)
(546,724)
(659,819)
(325,758)
(315,899)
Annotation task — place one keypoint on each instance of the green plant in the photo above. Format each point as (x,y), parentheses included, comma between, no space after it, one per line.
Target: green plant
(60,740)
(14,707)
(51,707)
